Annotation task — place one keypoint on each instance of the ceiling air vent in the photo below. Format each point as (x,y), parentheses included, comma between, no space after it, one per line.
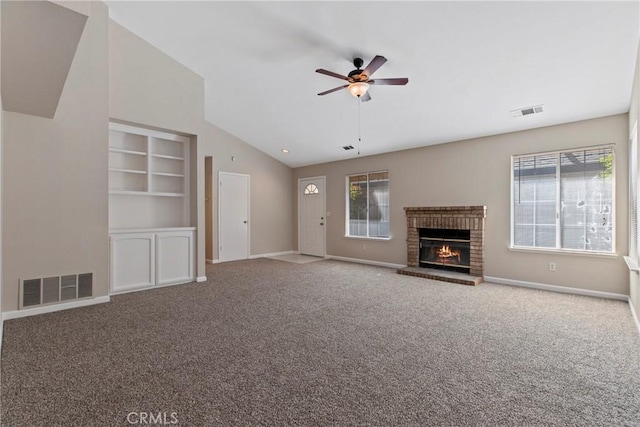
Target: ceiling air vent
(347,147)
(527,111)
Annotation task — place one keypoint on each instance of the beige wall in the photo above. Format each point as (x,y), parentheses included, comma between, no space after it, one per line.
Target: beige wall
(55,180)
(149,88)
(477,172)
(54,176)
(49,35)
(1,193)
(634,117)
(271,197)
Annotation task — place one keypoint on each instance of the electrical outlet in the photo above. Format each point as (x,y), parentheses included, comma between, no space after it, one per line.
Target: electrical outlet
(552,266)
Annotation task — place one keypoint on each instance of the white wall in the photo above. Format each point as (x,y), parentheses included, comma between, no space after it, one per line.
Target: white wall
(477,172)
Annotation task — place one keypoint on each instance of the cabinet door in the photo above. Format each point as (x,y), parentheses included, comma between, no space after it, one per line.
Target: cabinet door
(174,257)
(132,262)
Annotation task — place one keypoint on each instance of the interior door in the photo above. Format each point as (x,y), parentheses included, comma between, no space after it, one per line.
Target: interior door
(311,216)
(233,216)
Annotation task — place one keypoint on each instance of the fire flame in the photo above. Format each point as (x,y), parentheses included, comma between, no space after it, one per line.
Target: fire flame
(445,253)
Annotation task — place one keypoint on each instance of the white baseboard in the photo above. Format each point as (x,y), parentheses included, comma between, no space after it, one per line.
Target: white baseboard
(16,314)
(201,279)
(272,254)
(556,288)
(635,316)
(211,261)
(365,261)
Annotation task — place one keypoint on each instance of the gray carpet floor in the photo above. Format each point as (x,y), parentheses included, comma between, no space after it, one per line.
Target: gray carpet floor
(271,343)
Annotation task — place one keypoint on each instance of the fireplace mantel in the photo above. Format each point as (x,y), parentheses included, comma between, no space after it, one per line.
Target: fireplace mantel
(470,218)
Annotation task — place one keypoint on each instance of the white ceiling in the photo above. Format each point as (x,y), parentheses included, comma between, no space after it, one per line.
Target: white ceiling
(468,64)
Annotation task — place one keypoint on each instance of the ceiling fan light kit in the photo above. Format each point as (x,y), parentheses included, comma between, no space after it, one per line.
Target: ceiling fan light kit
(358,89)
(360,80)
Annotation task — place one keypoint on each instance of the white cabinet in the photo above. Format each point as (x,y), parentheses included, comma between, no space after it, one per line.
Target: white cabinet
(152,243)
(142,259)
(174,257)
(132,261)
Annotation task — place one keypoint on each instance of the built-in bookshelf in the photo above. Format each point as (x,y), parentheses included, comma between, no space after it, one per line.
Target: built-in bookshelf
(151,238)
(147,163)
(147,168)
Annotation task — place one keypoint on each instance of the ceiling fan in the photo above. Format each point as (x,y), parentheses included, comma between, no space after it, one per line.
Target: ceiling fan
(359,79)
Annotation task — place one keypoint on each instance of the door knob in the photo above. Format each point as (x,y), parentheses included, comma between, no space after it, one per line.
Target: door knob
(245,222)
(322,223)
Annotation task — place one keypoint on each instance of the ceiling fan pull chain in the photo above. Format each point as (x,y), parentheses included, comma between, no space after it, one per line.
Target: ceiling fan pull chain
(359,126)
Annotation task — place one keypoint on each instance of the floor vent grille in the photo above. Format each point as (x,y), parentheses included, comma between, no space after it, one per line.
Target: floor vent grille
(55,289)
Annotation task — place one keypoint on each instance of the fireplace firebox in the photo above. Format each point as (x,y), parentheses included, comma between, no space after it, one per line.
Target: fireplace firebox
(449,238)
(445,249)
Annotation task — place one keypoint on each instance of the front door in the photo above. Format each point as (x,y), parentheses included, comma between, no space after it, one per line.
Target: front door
(233,220)
(311,216)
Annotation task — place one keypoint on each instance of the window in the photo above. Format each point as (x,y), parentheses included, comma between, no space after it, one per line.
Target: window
(634,235)
(564,200)
(368,205)
(311,189)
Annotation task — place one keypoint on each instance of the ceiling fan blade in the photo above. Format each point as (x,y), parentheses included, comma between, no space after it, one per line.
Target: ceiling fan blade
(374,65)
(401,81)
(332,74)
(366,97)
(335,89)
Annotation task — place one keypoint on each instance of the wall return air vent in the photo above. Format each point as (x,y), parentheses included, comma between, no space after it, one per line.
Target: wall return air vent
(527,111)
(55,289)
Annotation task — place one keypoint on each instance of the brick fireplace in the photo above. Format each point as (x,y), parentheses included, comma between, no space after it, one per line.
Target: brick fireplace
(466,221)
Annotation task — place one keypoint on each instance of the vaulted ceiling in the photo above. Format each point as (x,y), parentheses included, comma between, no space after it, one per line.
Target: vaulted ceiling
(468,63)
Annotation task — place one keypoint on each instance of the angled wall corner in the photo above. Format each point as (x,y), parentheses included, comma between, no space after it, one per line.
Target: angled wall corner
(39,41)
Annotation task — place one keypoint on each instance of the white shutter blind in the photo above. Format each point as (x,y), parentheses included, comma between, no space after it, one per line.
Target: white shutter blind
(564,200)
(586,198)
(633,195)
(534,179)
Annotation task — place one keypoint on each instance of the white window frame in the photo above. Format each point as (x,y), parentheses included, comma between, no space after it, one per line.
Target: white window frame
(634,202)
(558,248)
(347,206)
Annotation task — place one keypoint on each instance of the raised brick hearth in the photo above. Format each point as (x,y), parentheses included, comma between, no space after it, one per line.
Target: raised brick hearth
(453,218)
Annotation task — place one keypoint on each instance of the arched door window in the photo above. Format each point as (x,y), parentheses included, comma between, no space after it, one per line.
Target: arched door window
(311,189)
